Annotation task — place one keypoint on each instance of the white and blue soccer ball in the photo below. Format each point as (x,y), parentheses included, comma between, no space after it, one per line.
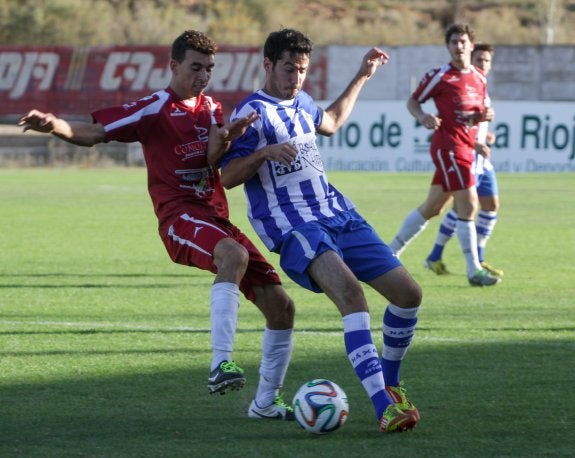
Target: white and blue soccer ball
(320,406)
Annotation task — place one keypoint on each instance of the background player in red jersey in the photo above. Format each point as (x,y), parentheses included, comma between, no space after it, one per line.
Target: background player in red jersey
(174,125)
(486,182)
(459,91)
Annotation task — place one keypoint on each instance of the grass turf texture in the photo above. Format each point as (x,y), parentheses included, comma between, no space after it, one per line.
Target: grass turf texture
(104,343)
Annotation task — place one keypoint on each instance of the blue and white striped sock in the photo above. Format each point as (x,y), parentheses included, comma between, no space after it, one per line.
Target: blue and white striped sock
(484,225)
(468,241)
(398,329)
(444,235)
(365,359)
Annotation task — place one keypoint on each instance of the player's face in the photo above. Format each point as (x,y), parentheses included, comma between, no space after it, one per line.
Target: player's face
(285,79)
(482,60)
(191,76)
(460,48)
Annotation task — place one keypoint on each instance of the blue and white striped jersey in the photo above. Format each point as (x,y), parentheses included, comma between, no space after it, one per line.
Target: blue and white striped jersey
(281,197)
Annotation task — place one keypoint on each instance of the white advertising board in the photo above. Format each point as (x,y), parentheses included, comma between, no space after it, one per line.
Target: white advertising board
(383,136)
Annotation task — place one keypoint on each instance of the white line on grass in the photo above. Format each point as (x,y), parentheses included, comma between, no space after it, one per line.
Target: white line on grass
(126,326)
(103,325)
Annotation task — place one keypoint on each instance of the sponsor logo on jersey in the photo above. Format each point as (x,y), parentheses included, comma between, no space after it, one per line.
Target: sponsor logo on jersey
(194,148)
(308,156)
(199,181)
(191,149)
(177,112)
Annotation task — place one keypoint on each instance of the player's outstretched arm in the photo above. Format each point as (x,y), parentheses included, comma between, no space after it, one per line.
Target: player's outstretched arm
(76,132)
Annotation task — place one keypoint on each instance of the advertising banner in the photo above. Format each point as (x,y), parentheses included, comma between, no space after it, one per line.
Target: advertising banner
(77,80)
(380,135)
(383,136)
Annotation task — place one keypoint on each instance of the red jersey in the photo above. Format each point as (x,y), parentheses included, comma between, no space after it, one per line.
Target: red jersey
(174,136)
(459,97)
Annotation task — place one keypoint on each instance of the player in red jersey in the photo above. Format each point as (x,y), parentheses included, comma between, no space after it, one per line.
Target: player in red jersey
(174,126)
(459,91)
(486,182)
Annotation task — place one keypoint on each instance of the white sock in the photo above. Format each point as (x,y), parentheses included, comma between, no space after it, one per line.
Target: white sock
(484,224)
(413,224)
(277,346)
(224,305)
(468,240)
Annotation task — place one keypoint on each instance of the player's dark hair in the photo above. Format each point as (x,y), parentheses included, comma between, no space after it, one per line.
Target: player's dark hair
(483,47)
(286,40)
(194,40)
(462,29)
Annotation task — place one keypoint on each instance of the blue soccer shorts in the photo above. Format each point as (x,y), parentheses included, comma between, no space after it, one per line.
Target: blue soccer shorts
(349,235)
(487,184)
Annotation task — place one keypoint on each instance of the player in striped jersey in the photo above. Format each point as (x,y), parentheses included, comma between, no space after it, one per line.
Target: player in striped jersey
(487,188)
(324,243)
(174,125)
(459,91)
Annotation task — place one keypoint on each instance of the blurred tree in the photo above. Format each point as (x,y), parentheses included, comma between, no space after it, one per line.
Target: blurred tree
(549,12)
(247,22)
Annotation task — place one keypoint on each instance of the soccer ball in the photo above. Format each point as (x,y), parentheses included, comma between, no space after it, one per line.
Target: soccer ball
(320,406)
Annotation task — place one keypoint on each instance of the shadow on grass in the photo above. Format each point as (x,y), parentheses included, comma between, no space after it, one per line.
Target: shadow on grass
(94,285)
(475,400)
(88,275)
(147,330)
(29,280)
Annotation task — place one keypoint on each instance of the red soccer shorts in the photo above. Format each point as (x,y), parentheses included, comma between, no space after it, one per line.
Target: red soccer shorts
(452,171)
(191,241)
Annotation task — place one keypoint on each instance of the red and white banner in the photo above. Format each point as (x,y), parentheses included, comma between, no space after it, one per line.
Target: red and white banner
(77,80)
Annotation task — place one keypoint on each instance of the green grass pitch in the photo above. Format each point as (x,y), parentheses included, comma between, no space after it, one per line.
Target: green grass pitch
(104,343)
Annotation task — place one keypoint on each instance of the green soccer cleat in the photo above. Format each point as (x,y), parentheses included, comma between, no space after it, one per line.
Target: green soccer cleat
(228,375)
(437,267)
(394,420)
(278,410)
(483,278)
(492,270)
(399,396)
